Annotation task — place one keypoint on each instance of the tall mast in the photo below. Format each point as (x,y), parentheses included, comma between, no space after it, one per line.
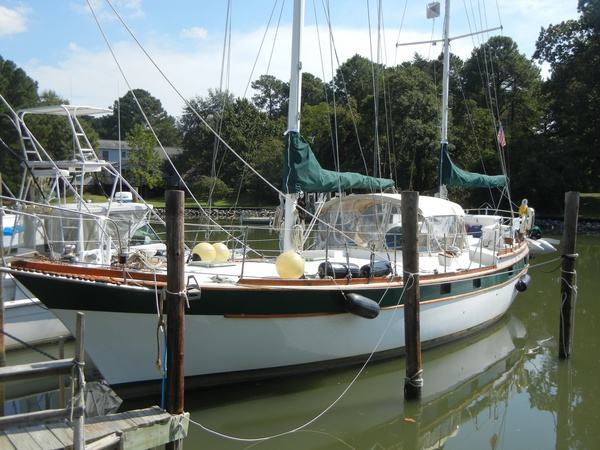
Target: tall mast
(294,115)
(296,68)
(445,89)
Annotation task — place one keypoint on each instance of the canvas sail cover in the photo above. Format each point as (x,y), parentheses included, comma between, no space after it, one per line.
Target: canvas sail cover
(450,175)
(303,173)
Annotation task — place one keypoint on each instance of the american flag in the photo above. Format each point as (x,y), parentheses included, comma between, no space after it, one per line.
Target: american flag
(501,137)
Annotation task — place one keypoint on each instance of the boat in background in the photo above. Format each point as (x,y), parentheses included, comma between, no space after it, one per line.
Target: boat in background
(60,224)
(338,303)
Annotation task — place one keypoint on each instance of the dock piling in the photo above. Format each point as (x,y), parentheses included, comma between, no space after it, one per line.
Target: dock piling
(175,201)
(412,329)
(568,274)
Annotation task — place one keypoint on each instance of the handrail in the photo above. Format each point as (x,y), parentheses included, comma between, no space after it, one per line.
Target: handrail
(59,367)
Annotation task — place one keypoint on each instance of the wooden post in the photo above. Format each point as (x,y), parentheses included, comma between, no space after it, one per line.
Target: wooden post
(79,400)
(410,272)
(568,274)
(61,378)
(2,343)
(175,306)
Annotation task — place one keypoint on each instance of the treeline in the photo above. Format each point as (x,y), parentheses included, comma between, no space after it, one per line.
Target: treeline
(381,121)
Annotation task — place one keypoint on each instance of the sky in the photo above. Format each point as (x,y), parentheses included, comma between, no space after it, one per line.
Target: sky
(179,49)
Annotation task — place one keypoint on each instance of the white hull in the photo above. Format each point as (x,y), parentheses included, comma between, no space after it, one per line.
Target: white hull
(124,346)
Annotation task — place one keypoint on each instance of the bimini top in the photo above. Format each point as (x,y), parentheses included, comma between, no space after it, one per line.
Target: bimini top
(428,206)
(65,110)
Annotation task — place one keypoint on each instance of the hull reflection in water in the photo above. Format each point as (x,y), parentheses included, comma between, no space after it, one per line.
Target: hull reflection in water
(461,380)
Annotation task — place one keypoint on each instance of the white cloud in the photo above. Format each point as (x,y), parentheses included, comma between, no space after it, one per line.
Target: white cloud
(90,77)
(126,8)
(194,33)
(13,21)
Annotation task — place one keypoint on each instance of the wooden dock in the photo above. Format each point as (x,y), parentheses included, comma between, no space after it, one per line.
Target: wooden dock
(68,428)
(139,429)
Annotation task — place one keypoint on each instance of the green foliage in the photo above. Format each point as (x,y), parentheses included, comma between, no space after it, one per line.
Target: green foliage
(127,114)
(272,96)
(244,133)
(375,120)
(20,91)
(144,166)
(572,49)
(207,187)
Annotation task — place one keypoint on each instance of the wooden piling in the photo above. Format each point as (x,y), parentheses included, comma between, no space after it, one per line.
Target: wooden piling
(2,343)
(410,268)
(175,306)
(568,274)
(79,399)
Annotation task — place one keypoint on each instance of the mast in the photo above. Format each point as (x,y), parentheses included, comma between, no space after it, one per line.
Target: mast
(294,116)
(445,89)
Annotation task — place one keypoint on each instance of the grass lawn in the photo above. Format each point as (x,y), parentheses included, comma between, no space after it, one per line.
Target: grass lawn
(589,204)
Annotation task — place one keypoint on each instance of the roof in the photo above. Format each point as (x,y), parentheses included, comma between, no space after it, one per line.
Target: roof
(110,144)
(65,110)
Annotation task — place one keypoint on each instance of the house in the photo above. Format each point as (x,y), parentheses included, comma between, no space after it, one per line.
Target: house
(117,153)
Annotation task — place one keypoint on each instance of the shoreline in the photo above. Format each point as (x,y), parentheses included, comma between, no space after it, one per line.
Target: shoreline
(553,227)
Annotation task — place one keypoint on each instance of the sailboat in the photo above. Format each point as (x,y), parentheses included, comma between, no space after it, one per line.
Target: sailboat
(336,304)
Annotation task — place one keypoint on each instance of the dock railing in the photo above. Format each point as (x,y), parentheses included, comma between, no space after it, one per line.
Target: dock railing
(73,367)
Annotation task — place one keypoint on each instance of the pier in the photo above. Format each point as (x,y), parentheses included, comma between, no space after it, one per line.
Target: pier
(143,428)
(68,427)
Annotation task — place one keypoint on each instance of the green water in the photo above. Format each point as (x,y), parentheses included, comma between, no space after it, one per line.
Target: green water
(502,389)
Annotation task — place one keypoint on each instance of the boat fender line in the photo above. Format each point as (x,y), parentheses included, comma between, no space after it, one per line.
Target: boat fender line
(523,283)
(361,306)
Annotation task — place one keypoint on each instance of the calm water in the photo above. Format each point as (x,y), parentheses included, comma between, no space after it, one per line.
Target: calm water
(504,388)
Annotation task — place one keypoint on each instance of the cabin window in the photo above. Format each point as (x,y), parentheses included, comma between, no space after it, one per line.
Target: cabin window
(511,270)
(393,238)
(445,288)
(477,283)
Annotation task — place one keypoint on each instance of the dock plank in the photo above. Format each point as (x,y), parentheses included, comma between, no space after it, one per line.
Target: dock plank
(21,439)
(5,443)
(137,429)
(39,433)
(61,431)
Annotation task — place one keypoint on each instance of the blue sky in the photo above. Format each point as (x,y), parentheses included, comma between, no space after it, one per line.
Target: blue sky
(59,44)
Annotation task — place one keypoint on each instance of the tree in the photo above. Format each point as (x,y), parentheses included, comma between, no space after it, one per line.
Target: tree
(500,86)
(272,97)
(572,49)
(17,88)
(242,129)
(126,115)
(144,166)
(19,91)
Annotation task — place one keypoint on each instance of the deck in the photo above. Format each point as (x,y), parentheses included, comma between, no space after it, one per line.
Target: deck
(144,428)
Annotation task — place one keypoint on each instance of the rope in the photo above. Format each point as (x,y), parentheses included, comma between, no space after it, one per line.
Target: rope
(342,395)
(181,294)
(416,380)
(562,318)
(28,345)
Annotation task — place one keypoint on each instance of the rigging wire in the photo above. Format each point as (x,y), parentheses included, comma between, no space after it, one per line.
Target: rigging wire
(187,103)
(193,110)
(225,68)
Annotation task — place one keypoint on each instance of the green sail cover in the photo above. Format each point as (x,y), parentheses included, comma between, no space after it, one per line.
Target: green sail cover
(450,175)
(303,173)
